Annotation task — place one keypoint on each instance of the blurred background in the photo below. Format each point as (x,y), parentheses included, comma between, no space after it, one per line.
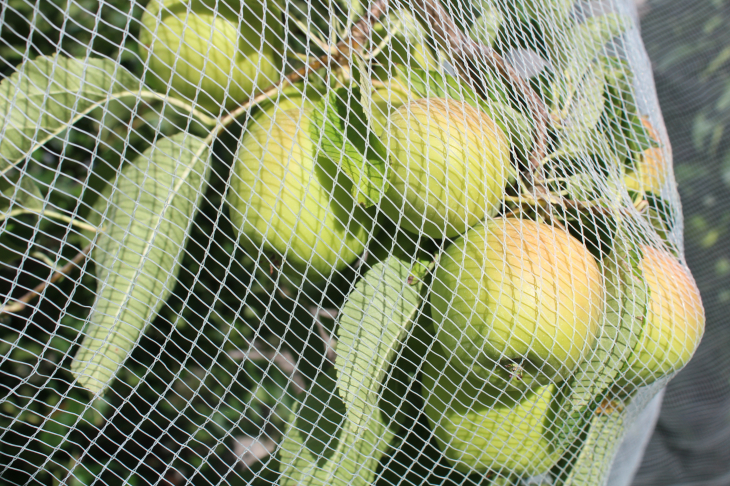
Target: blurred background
(688,42)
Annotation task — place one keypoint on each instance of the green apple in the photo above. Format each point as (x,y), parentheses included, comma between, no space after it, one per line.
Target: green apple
(517,303)
(651,172)
(290,201)
(448,166)
(215,57)
(480,428)
(674,324)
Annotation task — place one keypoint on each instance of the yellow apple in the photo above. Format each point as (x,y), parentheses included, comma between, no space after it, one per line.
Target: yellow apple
(651,173)
(448,166)
(290,201)
(674,324)
(217,58)
(517,303)
(480,428)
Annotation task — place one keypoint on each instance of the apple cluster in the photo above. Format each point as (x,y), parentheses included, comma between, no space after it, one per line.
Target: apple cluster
(517,303)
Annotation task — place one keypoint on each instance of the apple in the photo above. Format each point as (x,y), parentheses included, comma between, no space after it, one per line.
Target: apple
(480,428)
(290,201)
(217,58)
(517,303)
(448,166)
(674,324)
(651,172)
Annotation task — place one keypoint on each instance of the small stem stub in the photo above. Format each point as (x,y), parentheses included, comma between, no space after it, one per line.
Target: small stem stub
(516,371)
(275,263)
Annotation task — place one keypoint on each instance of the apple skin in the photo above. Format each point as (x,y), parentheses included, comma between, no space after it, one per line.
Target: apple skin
(448,167)
(517,303)
(651,173)
(292,203)
(214,58)
(674,324)
(480,428)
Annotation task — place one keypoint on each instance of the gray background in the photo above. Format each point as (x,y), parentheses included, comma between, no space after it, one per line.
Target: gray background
(688,43)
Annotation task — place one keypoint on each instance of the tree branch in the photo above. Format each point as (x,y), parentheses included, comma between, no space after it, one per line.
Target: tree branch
(21,303)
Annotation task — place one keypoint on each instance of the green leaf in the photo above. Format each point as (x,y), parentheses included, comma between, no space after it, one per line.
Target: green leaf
(373,321)
(621,120)
(139,250)
(347,138)
(626,311)
(627,306)
(587,102)
(591,464)
(44,96)
(321,416)
(327,453)
(587,41)
(375,318)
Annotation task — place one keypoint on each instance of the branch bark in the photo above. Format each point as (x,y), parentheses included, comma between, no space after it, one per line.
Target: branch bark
(21,303)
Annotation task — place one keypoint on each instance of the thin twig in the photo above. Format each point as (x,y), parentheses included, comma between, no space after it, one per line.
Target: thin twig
(21,303)
(330,342)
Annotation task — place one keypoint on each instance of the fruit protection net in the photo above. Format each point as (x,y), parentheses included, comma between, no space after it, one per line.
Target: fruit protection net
(348,243)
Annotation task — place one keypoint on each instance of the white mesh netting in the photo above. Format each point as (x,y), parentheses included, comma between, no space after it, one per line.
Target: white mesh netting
(259,241)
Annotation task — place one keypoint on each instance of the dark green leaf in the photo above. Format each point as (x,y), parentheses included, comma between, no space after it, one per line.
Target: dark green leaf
(591,465)
(321,416)
(621,121)
(347,138)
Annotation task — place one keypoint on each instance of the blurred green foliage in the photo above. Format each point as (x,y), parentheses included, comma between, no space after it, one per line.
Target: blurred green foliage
(688,44)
